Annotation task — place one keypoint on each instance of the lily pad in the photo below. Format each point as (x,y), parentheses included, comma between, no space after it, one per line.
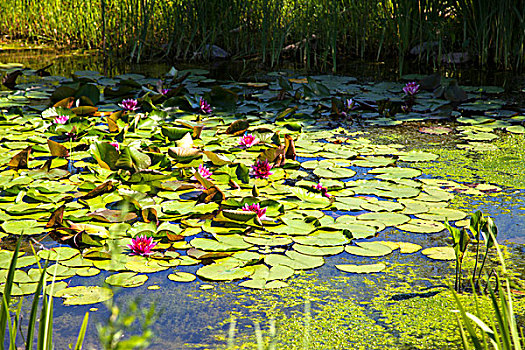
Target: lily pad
(370,268)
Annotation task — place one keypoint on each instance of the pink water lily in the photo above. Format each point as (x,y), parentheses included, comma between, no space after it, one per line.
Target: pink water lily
(204,172)
(411,88)
(116,145)
(61,119)
(141,245)
(248,140)
(205,106)
(129,105)
(256,208)
(322,189)
(261,169)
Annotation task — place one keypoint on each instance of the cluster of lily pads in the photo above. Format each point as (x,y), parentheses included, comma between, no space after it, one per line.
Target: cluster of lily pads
(250,181)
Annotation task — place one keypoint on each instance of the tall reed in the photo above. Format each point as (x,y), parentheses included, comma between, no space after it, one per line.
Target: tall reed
(321,32)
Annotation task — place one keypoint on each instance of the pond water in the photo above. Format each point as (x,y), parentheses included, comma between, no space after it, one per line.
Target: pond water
(384,160)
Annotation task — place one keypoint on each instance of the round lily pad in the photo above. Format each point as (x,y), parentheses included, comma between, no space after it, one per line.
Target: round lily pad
(318,251)
(126,279)
(225,272)
(84,295)
(179,276)
(440,253)
(422,226)
(370,268)
(368,249)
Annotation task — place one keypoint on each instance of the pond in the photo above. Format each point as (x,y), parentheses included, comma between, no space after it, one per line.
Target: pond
(314,204)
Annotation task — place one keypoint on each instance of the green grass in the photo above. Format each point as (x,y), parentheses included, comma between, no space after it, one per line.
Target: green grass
(322,32)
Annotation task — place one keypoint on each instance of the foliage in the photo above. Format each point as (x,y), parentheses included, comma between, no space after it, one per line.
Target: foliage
(503,332)
(45,327)
(120,323)
(479,225)
(315,33)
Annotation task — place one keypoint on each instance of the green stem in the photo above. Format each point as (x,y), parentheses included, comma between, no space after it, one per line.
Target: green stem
(476,263)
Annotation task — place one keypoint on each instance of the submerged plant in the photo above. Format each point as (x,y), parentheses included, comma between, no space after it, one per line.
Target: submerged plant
(256,208)
(141,245)
(261,169)
(248,140)
(205,106)
(129,105)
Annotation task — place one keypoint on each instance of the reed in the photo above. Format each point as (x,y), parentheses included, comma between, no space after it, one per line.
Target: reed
(322,32)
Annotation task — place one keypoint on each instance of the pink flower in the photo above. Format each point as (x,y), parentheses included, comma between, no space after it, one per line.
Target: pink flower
(141,245)
(205,106)
(204,172)
(261,169)
(164,91)
(61,119)
(349,104)
(248,140)
(116,145)
(256,208)
(323,190)
(129,105)
(411,88)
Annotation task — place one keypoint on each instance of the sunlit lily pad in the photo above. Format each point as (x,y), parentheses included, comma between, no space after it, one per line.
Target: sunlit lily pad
(84,295)
(440,253)
(126,279)
(422,226)
(368,249)
(179,276)
(370,268)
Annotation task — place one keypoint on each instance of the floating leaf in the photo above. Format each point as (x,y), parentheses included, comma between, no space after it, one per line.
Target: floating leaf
(440,253)
(126,279)
(370,268)
(83,295)
(368,249)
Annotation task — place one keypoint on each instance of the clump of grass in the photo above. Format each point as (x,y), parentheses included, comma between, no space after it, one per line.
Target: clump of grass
(318,33)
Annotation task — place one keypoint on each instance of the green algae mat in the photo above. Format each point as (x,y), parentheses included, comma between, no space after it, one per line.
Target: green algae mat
(251,182)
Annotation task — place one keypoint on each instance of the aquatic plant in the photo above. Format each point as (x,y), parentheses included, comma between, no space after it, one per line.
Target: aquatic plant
(204,106)
(45,326)
(256,208)
(261,169)
(322,189)
(479,225)
(503,332)
(460,240)
(411,88)
(61,119)
(129,105)
(204,171)
(141,245)
(248,140)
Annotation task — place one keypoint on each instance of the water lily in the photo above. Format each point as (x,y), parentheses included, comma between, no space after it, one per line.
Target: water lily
(129,105)
(411,88)
(61,119)
(141,245)
(256,208)
(204,172)
(261,169)
(322,189)
(248,140)
(205,106)
(116,145)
